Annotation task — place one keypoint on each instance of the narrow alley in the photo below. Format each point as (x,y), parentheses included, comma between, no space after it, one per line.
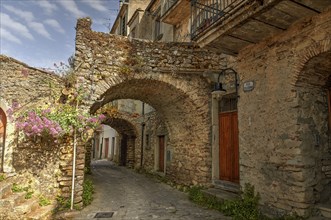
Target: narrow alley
(130,195)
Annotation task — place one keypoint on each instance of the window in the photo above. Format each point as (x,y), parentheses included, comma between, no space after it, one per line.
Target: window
(133,32)
(157,28)
(228,103)
(147,141)
(123,26)
(157,24)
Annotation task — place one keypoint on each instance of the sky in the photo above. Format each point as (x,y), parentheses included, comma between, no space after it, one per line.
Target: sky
(42,32)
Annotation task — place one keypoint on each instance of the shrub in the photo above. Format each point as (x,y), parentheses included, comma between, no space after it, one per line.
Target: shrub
(43,201)
(2,177)
(88,190)
(17,188)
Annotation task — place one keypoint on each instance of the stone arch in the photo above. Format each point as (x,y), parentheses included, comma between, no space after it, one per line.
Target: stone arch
(186,115)
(309,57)
(312,81)
(127,140)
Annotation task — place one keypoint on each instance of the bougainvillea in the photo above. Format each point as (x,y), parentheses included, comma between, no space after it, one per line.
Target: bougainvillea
(53,121)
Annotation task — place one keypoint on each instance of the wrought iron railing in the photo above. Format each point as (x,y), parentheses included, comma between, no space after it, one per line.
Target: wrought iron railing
(205,13)
(167,5)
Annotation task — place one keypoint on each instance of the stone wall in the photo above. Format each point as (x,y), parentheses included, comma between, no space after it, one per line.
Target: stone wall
(26,85)
(167,76)
(283,131)
(43,164)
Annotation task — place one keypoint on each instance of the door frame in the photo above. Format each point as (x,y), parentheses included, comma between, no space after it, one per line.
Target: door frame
(215,110)
(233,176)
(157,155)
(106,147)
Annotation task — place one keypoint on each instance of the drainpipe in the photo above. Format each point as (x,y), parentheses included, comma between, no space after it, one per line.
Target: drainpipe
(3,120)
(142,135)
(73,171)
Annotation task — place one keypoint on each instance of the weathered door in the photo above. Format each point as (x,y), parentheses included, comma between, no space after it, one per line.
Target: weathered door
(106,147)
(161,153)
(228,147)
(329,103)
(124,147)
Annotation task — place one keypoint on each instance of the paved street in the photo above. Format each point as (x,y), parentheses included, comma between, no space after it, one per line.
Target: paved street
(133,196)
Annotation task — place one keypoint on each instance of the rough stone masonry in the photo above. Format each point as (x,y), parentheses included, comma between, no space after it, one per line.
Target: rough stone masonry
(167,76)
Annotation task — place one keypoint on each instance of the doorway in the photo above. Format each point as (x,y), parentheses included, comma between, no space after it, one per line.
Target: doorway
(124,147)
(106,147)
(161,153)
(228,140)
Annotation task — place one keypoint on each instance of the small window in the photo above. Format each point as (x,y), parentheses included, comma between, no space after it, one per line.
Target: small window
(133,32)
(228,103)
(147,141)
(157,28)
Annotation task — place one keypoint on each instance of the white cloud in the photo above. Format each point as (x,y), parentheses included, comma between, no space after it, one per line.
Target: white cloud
(55,24)
(47,6)
(26,15)
(71,6)
(40,29)
(4,34)
(18,28)
(96,4)
(30,19)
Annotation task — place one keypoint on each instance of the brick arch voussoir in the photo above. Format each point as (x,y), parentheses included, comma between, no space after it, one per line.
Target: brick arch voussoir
(123,123)
(195,86)
(307,54)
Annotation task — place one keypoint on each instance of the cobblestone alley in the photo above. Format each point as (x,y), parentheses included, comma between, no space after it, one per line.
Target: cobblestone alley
(134,196)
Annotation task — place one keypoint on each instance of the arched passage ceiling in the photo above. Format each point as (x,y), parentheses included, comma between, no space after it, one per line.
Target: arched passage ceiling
(317,71)
(178,110)
(122,126)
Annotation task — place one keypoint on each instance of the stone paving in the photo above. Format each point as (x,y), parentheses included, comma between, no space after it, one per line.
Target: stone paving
(134,196)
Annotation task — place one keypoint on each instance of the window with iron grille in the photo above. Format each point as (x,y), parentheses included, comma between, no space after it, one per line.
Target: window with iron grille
(228,103)
(123,26)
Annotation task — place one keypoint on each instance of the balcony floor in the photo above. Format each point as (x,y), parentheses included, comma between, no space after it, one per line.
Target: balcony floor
(253,24)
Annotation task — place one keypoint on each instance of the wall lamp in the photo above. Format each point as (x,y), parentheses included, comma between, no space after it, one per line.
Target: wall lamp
(218,87)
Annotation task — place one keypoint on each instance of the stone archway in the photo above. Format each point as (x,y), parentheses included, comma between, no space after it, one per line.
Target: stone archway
(187,123)
(126,147)
(312,85)
(167,76)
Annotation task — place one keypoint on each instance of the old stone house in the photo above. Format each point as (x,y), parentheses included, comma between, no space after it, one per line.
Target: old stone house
(267,121)
(104,143)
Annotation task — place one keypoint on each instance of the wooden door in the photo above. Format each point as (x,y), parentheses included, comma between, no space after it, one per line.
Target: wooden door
(97,143)
(161,153)
(329,104)
(106,147)
(228,147)
(124,147)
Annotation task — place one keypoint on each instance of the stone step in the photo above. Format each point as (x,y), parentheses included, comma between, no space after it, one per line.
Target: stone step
(12,200)
(5,189)
(325,209)
(41,213)
(227,186)
(221,195)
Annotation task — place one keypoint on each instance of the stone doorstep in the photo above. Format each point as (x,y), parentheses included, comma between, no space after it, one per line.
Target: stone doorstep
(41,213)
(325,209)
(227,186)
(221,195)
